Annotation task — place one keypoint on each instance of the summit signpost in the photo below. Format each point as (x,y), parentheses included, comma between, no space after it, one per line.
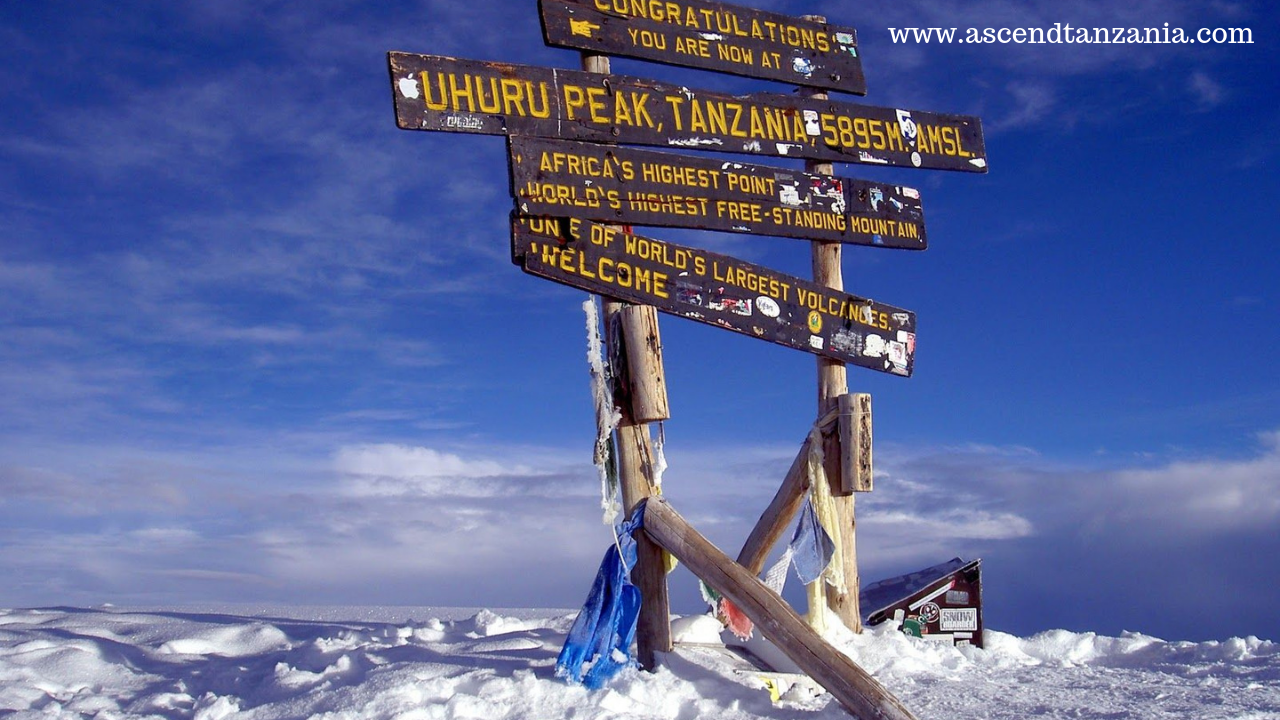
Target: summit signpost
(710,36)
(433,92)
(574,180)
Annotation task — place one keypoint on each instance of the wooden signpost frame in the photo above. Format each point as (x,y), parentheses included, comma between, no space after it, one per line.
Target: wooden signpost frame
(448,94)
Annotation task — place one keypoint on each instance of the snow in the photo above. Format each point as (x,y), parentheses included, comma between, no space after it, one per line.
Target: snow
(372,663)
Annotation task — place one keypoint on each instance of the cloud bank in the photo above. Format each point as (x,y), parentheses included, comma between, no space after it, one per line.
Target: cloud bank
(407,524)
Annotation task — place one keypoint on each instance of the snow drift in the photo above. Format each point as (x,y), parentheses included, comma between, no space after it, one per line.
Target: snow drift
(375,663)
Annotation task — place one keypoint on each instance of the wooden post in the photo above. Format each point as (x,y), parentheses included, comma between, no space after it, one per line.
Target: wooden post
(647,388)
(832,383)
(855,442)
(645,382)
(852,686)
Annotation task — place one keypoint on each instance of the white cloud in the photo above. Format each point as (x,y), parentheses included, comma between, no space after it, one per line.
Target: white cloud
(1208,93)
(405,462)
(1032,103)
(960,494)
(388,470)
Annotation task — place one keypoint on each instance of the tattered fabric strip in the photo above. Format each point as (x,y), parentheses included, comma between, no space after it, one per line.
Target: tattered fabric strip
(736,620)
(776,576)
(599,643)
(825,505)
(607,416)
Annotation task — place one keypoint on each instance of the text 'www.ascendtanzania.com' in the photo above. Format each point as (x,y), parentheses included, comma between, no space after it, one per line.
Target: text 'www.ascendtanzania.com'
(1065,34)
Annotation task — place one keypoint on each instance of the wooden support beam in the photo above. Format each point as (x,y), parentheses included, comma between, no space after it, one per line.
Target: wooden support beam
(786,502)
(769,528)
(849,684)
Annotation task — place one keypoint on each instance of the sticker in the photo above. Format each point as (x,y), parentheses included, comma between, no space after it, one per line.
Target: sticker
(847,342)
(866,157)
(978,162)
(832,189)
(957,597)
(874,346)
(959,619)
(693,142)
(902,319)
(908,126)
(409,88)
(898,353)
(802,66)
(789,195)
(877,197)
(912,193)
(911,626)
(815,322)
(768,307)
(737,306)
(915,159)
(689,294)
(811,125)
(930,612)
(464,122)
(815,342)
(753,146)
(844,38)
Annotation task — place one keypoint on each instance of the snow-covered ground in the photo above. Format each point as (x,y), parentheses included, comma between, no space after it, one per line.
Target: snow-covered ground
(375,663)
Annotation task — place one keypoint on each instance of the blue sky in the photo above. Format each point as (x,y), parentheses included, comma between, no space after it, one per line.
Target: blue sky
(260,345)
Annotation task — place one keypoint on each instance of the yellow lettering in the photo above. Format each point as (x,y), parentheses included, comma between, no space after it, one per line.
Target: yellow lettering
(456,93)
(675,102)
(574,98)
(437,105)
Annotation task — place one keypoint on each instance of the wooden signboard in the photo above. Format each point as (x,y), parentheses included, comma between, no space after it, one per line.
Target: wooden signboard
(710,36)
(645,187)
(717,290)
(448,94)
(943,602)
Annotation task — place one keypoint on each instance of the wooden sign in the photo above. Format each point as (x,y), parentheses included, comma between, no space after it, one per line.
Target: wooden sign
(710,36)
(717,290)
(447,94)
(645,187)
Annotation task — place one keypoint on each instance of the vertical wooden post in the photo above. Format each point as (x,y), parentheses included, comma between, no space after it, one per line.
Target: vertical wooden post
(642,398)
(855,442)
(832,383)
